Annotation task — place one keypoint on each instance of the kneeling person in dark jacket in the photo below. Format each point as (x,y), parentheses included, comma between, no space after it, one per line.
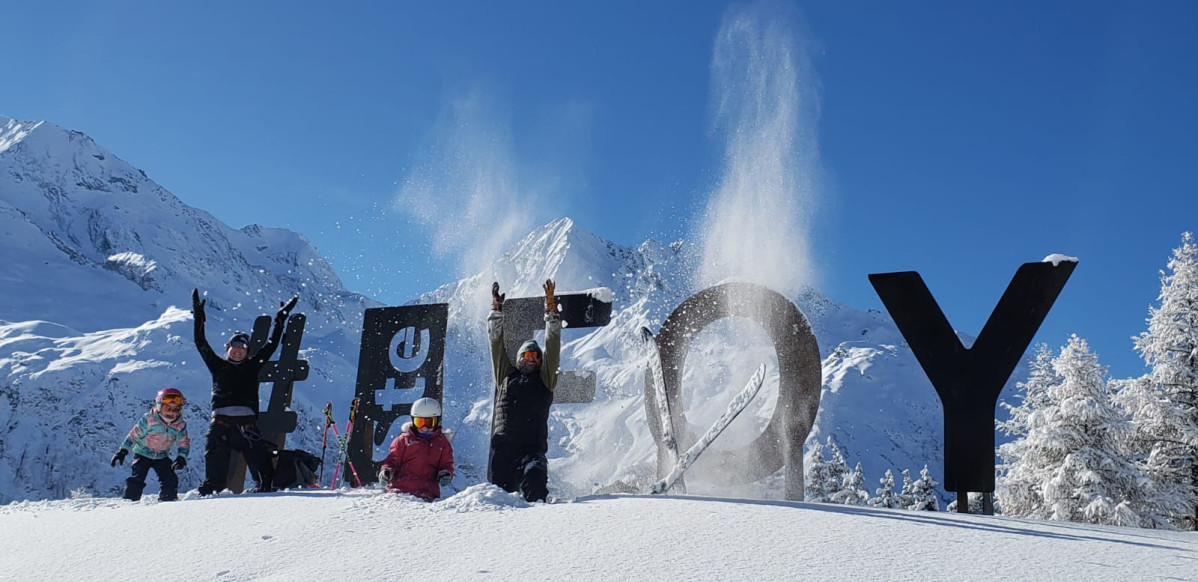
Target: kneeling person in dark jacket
(421,459)
(520,431)
(234,425)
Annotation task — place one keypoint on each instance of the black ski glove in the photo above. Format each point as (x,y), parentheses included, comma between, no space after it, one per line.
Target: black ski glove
(443,478)
(119,457)
(197,306)
(385,475)
(285,310)
(496,298)
(179,463)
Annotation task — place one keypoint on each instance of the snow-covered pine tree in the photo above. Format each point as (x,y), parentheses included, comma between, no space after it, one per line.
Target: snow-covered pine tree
(886,497)
(1033,393)
(1164,403)
(852,491)
(817,482)
(838,468)
(1157,501)
(1072,452)
(905,496)
(923,492)
(1019,484)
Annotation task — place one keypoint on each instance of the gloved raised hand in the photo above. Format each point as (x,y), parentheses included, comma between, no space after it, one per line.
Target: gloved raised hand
(197,306)
(385,475)
(285,310)
(496,298)
(179,463)
(443,478)
(119,457)
(550,300)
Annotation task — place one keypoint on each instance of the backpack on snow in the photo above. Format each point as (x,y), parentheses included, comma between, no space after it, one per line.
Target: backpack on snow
(296,469)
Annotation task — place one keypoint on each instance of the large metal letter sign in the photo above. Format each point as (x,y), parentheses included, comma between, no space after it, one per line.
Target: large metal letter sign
(401,360)
(525,315)
(800,378)
(278,419)
(970,380)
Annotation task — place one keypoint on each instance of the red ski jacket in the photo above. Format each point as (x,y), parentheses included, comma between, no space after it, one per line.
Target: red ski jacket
(415,462)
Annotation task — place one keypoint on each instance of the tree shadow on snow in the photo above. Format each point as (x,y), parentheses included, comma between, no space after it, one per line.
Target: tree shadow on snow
(987,523)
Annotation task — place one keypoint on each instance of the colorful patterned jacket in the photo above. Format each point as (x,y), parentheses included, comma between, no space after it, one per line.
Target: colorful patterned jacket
(153,436)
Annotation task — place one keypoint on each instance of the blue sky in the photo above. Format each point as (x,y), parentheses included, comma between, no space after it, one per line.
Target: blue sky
(954,139)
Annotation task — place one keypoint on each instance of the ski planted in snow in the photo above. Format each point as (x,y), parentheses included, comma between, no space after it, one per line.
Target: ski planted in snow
(734,408)
(342,442)
(659,396)
(349,431)
(324,439)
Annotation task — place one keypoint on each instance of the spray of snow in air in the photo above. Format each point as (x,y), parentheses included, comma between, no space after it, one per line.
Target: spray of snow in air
(766,103)
(466,190)
(756,224)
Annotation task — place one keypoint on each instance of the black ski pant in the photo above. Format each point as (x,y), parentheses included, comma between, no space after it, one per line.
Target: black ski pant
(236,433)
(520,470)
(166,476)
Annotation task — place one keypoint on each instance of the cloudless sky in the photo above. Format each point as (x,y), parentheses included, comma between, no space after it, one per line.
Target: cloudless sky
(955,139)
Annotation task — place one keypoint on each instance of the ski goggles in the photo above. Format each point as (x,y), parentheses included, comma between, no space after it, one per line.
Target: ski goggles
(175,399)
(425,421)
(531,355)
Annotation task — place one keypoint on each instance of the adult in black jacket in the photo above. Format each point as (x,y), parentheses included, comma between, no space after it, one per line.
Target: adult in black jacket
(520,431)
(234,423)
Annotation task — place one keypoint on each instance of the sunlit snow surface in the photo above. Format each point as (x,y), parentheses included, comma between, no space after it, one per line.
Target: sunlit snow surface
(483,533)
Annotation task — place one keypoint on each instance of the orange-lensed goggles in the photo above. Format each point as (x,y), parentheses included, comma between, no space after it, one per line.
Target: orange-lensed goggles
(425,421)
(173,399)
(530,354)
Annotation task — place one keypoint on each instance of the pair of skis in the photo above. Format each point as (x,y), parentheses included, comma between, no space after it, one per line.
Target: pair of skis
(342,443)
(668,439)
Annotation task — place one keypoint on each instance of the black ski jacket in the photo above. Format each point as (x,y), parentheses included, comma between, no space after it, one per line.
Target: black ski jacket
(521,422)
(235,384)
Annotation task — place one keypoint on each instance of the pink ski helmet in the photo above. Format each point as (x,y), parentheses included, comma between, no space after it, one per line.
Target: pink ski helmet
(169,396)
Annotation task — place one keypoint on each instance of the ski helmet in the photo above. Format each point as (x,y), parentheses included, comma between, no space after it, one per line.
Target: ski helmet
(529,346)
(169,396)
(426,408)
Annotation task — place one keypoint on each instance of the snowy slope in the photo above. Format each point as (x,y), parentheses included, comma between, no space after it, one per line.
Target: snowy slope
(485,534)
(100,263)
(95,321)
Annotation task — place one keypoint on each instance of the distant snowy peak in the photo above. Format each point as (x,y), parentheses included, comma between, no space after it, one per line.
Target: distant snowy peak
(13,131)
(576,260)
(84,216)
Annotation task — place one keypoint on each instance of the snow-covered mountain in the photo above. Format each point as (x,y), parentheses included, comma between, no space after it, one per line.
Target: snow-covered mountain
(95,319)
(95,316)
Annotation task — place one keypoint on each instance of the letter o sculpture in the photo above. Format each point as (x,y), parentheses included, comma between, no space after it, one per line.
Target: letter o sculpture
(800,380)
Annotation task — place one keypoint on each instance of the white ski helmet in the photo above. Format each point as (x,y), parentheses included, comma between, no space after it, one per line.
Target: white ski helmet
(426,408)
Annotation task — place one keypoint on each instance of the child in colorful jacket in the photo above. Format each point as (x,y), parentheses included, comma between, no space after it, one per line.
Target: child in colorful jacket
(151,440)
(421,459)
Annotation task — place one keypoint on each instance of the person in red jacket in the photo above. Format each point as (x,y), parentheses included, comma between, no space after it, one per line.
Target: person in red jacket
(421,459)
